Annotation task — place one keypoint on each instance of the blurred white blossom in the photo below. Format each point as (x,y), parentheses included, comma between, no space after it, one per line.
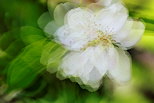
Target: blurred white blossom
(97,41)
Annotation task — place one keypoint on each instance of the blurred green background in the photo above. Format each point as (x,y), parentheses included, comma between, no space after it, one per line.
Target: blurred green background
(23,79)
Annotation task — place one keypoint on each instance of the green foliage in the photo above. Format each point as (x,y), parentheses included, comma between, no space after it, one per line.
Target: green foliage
(9,47)
(19,13)
(5,39)
(52,55)
(24,69)
(147,43)
(30,34)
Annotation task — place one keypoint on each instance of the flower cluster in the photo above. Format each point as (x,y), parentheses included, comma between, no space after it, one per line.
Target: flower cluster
(97,37)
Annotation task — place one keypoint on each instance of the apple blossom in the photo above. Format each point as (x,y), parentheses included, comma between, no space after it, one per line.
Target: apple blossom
(97,42)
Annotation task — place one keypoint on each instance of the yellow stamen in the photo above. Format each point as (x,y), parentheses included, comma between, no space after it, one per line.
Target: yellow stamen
(104,40)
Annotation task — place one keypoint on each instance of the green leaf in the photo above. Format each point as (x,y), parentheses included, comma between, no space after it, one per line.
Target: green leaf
(25,68)
(4,58)
(14,48)
(31,34)
(44,19)
(10,52)
(52,55)
(5,41)
(10,46)
(8,37)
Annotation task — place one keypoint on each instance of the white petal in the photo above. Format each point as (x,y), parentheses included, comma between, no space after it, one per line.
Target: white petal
(120,67)
(60,12)
(73,63)
(100,58)
(44,19)
(75,33)
(131,33)
(50,28)
(79,19)
(76,64)
(89,66)
(112,19)
(124,32)
(72,40)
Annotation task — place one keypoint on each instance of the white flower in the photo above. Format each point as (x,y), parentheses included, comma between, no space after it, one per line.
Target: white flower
(97,41)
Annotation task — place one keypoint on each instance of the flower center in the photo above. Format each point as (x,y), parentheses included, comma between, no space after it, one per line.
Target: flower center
(102,39)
